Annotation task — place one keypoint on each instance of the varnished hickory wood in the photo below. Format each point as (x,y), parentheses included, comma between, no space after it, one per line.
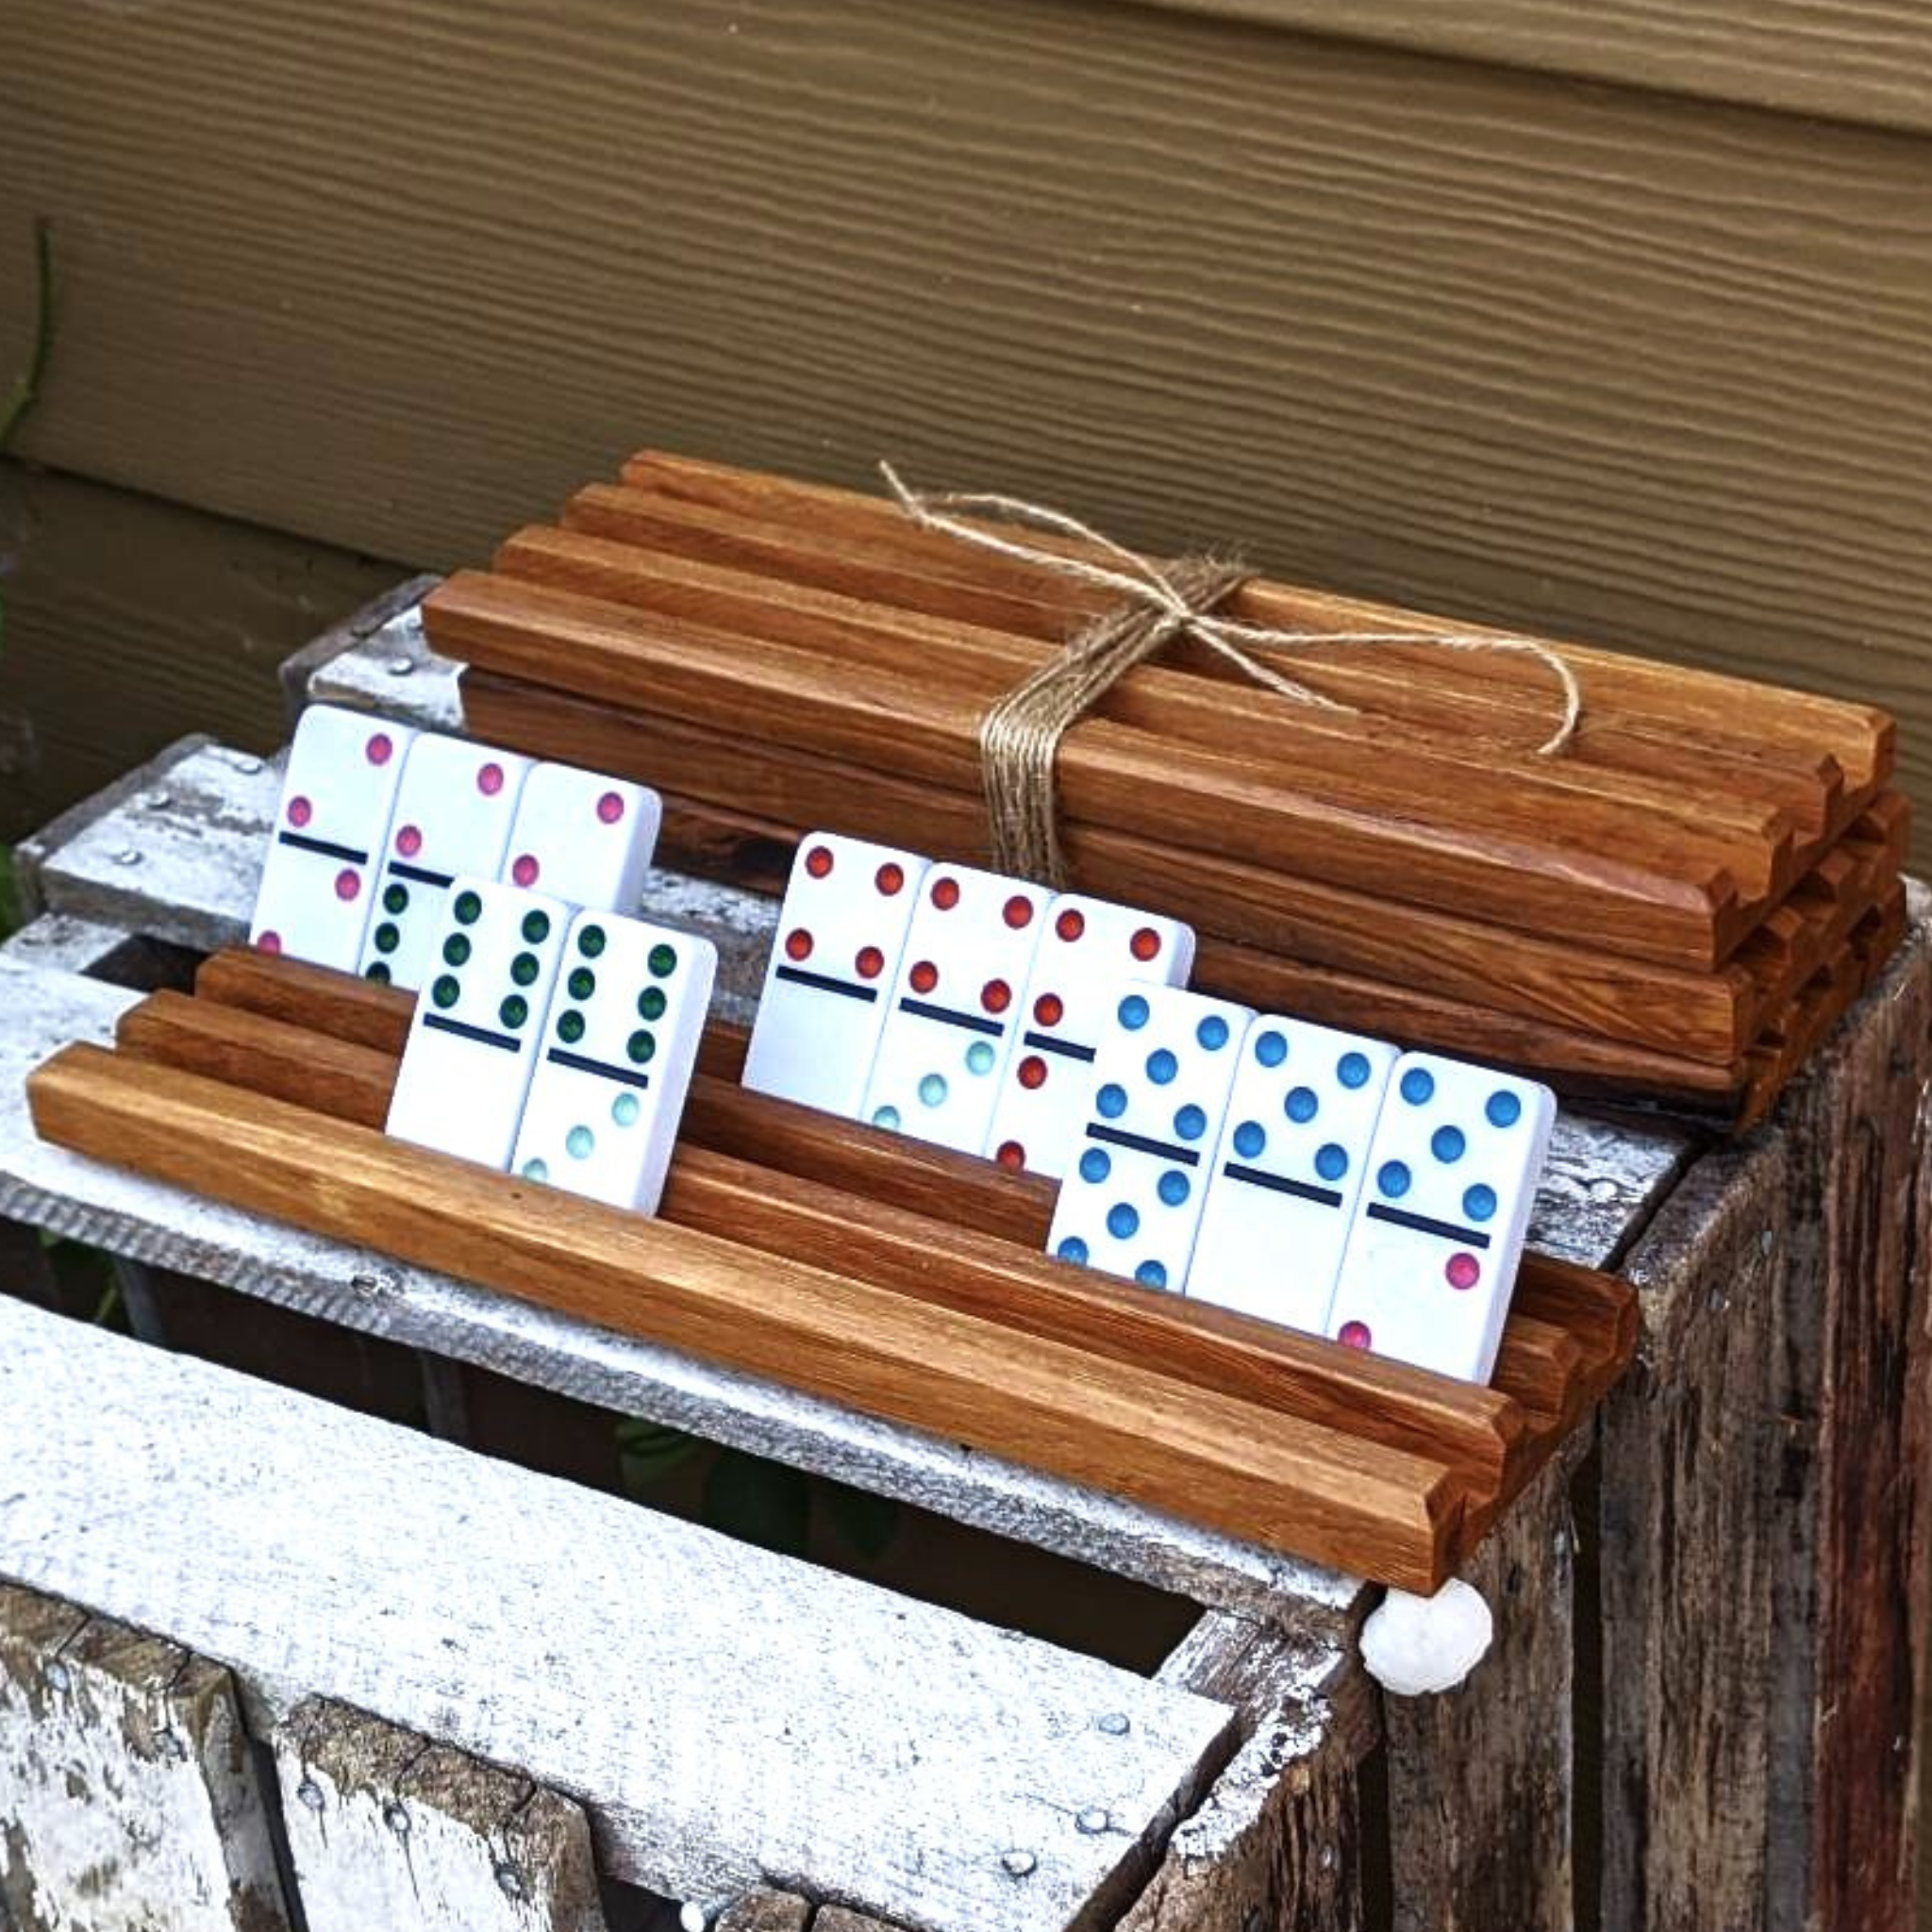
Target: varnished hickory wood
(1675,1013)
(926,1245)
(1818,757)
(1274,1479)
(977,1194)
(1355,828)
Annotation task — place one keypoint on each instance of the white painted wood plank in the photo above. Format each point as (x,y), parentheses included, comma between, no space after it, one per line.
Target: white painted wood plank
(128,1800)
(362,1289)
(727,1715)
(388,1829)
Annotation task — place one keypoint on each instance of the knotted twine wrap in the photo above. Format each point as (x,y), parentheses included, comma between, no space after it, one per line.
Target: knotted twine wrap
(1019,736)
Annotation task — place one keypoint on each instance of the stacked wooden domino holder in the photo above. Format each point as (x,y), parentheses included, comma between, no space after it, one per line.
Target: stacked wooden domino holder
(1669,914)
(899,1279)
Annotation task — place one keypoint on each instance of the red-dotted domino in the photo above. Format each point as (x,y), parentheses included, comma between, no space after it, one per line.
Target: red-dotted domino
(615,1060)
(330,823)
(472,1045)
(956,1006)
(1288,1169)
(842,934)
(1088,949)
(1452,1174)
(453,814)
(1133,1193)
(582,837)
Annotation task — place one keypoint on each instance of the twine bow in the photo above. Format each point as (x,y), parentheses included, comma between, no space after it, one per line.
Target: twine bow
(1019,735)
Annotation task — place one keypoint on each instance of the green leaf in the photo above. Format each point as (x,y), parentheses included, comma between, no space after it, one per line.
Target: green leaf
(648,1452)
(868,1523)
(758,1502)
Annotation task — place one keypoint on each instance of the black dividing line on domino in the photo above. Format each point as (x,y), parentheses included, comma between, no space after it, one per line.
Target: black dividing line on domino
(419,874)
(585,1064)
(1143,1144)
(303,844)
(1046,1043)
(946,1016)
(824,983)
(463,1030)
(1423,1224)
(1305,1191)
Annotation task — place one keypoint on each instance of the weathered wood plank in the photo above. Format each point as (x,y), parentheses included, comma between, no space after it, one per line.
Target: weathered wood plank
(776,1719)
(1275,1841)
(1465,339)
(388,1829)
(1480,1800)
(1764,1509)
(130,621)
(128,1798)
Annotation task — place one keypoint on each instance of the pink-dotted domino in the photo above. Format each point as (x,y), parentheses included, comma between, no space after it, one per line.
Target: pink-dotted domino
(331,825)
(1432,1254)
(582,837)
(1089,949)
(453,814)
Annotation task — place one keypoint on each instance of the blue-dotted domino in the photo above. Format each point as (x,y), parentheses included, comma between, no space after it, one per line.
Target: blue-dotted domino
(453,814)
(615,1060)
(1130,1202)
(330,825)
(841,941)
(1288,1169)
(471,1043)
(955,1006)
(1089,949)
(1452,1174)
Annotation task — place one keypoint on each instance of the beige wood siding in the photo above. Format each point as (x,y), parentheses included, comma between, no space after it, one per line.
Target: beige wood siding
(1608,361)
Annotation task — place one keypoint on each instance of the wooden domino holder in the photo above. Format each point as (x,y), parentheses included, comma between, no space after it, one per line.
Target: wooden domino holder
(725,840)
(1482,1443)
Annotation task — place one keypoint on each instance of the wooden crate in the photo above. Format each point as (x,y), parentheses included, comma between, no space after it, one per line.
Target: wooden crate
(1721,1541)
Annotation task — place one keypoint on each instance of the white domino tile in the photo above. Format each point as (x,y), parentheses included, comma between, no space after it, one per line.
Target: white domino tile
(330,825)
(1452,1173)
(1088,948)
(615,1060)
(1131,1201)
(841,941)
(471,1044)
(1288,1169)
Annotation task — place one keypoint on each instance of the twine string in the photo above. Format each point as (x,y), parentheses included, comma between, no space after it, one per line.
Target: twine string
(1019,735)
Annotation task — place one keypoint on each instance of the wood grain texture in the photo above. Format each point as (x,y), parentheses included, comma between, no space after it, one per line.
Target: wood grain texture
(387,1827)
(130,621)
(780,1724)
(1480,1819)
(1652,891)
(1290,1485)
(1764,1509)
(1866,61)
(127,1795)
(1275,1841)
(1477,341)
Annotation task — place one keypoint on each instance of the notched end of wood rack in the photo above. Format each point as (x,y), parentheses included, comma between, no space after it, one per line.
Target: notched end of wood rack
(901,1281)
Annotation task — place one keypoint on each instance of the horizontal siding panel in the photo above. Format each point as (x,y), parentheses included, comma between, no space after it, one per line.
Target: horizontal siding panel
(1597,362)
(1863,61)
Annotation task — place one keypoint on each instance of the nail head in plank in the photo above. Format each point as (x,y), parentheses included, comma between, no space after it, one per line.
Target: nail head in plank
(387,1828)
(777,1718)
(126,1785)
